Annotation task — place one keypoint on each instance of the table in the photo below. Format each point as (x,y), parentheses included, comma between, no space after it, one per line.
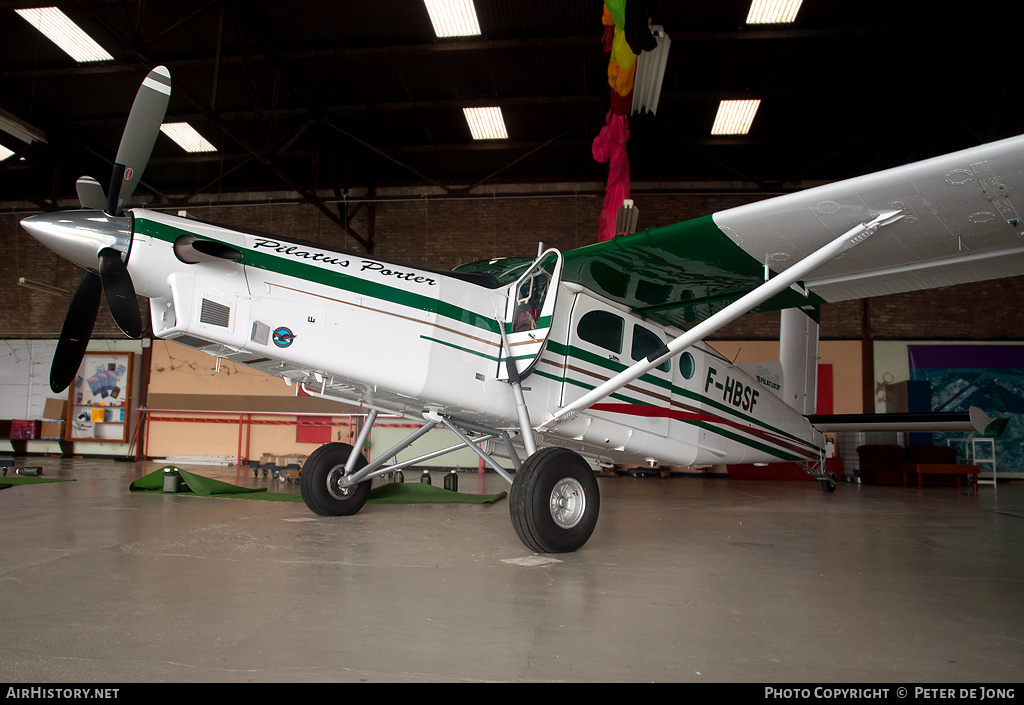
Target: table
(922,469)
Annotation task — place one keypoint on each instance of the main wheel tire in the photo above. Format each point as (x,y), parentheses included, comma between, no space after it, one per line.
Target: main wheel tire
(318,482)
(554,501)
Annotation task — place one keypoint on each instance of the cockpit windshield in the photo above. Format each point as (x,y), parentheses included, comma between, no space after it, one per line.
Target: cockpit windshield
(504,269)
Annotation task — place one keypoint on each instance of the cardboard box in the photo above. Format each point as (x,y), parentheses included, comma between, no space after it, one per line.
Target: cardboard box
(54,409)
(52,430)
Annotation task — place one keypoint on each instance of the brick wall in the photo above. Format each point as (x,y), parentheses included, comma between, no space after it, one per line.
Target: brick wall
(441,233)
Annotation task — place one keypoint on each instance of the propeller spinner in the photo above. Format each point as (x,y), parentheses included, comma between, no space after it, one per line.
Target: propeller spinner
(97,238)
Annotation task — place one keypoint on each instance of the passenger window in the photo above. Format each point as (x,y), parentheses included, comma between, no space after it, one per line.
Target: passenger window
(644,343)
(602,328)
(687,365)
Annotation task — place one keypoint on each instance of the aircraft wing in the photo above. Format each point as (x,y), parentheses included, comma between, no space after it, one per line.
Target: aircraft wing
(959,223)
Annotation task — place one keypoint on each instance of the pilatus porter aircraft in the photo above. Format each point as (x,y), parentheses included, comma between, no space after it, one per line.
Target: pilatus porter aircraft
(594,354)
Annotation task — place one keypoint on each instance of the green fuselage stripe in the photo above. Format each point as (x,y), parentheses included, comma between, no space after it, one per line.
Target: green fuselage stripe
(706,425)
(335,279)
(427,304)
(572,352)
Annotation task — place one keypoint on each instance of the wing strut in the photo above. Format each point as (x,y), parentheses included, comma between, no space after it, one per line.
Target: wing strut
(743,305)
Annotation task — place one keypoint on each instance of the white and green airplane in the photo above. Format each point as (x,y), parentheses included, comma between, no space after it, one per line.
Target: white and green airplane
(594,353)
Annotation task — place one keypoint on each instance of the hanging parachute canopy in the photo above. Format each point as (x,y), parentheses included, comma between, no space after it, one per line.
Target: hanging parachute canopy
(610,146)
(627,33)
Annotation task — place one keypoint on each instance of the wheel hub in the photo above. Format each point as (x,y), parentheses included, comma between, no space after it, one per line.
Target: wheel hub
(335,485)
(568,502)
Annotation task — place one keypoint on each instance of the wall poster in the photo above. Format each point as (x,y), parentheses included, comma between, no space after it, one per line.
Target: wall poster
(990,377)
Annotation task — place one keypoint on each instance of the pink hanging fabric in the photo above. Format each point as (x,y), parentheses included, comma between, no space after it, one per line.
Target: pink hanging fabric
(610,146)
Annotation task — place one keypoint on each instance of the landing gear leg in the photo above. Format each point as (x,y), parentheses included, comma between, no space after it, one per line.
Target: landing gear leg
(554,501)
(817,470)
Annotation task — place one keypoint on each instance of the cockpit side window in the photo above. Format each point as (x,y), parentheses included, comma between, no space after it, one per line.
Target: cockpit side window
(602,328)
(644,343)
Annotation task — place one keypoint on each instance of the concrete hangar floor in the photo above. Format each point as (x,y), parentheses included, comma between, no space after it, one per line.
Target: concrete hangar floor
(686,579)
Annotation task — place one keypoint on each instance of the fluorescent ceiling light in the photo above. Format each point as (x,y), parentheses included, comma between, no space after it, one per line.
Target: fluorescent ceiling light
(453,18)
(5,153)
(773,11)
(486,123)
(60,30)
(734,117)
(186,137)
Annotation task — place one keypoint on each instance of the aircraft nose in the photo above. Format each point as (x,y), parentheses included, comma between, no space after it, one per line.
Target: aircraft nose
(79,236)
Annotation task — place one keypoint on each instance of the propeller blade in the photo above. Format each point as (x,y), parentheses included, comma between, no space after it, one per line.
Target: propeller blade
(90,193)
(140,133)
(120,293)
(74,336)
(113,205)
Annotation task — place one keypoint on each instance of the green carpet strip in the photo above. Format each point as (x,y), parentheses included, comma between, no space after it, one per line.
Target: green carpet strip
(11,481)
(417,493)
(392,493)
(197,484)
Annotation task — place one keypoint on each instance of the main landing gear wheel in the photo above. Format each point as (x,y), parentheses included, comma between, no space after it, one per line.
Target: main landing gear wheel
(554,501)
(319,482)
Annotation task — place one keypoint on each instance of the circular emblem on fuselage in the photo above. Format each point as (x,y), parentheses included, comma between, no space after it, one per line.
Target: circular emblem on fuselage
(283,337)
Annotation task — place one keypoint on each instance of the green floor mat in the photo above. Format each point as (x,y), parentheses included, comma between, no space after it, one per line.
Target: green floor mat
(393,493)
(418,493)
(10,481)
(197,484)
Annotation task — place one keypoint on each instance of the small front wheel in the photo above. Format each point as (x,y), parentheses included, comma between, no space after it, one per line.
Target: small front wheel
(554,501)
(320,482)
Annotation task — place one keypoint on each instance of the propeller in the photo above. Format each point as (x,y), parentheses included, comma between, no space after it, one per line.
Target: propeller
(117,286)
(90,193)
(74,336)
(111,275)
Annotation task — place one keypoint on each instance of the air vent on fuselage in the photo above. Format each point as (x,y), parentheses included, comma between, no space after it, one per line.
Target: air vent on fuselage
(191,341)
(215,314)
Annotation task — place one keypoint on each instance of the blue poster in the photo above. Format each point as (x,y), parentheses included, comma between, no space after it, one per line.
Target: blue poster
(990,377)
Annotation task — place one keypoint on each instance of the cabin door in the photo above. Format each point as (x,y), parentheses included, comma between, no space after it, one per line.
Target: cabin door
(528,313)
(603,341)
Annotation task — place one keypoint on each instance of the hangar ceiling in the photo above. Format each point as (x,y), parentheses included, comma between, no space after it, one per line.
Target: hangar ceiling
(318,98)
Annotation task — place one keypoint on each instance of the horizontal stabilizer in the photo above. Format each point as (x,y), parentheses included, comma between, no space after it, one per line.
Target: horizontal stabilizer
(929,422)
(990,428)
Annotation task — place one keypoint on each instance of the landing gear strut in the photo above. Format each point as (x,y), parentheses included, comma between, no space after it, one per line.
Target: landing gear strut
(828,483)
(554,501)
(817,470)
